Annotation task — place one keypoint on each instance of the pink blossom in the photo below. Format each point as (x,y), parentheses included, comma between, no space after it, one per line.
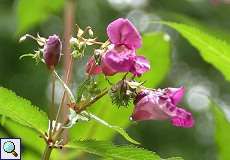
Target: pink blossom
(123,32)
(92,68)
(121,57)
(161,105)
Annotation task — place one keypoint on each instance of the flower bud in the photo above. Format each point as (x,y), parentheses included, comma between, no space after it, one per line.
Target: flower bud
(91,67)
(52,51)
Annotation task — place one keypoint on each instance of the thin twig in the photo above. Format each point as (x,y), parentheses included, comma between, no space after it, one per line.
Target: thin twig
(84,106)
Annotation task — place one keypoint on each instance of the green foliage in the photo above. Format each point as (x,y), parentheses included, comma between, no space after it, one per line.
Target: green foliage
(222,130)
(156,48)
(115,128)
(17,130)
(155,51)
(29,155)
(22,111)
(108,150)
(31,13)
(213,50)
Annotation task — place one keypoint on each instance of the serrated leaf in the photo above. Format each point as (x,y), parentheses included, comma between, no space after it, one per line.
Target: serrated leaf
(213,50)
(17,130)
(22,111)
(222,130)
(109,150)
(159,48)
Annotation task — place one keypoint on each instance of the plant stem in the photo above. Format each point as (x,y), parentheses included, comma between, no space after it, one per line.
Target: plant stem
(47,153)
(84,106)
(68,59)
(52,107)
(68,62)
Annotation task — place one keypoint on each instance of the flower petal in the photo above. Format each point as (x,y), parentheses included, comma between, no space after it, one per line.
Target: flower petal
(116,60)
(149,108)
(176,94)
(183,119)
(123,32)
(140,66)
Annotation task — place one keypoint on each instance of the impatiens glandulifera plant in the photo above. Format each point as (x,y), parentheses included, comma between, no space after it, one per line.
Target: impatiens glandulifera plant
(115,56)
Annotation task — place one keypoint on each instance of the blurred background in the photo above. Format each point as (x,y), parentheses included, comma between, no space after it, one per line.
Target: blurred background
(187,68)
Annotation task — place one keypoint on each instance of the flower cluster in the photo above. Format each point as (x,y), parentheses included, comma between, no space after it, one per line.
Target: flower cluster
(117,55)
(121,54)
(159,104)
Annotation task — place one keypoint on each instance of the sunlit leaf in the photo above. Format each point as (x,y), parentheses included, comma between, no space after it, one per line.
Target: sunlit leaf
(17,130)
(156,48)
(213,50)
(22,111)
(108,150)
(115,128)
(31,13)
(222,130)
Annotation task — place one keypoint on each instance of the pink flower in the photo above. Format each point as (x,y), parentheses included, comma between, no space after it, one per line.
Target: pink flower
(92,68)
(52,50)
(161,105)
(121,55)
(123,32)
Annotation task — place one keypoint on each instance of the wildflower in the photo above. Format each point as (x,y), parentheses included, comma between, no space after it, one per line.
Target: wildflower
(121,55)
(52,51)
(91,67)
(161,104)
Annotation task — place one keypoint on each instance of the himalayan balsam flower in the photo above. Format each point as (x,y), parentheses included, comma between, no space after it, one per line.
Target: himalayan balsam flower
(92,68)
(52,51)
(161,104)
(121,55)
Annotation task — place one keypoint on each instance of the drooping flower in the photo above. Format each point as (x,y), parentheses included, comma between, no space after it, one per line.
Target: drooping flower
(121,55)
(52,51)
(161,104)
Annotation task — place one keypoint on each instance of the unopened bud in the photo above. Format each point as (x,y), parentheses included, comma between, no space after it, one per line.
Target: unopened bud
(52,51)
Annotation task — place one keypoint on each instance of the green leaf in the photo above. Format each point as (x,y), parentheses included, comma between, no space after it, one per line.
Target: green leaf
(174,158)
(222,130)
(115,128)
(29,155)
(22,111)
(213,50)
(108,150)
(31,13)
(17,130)
(155,47)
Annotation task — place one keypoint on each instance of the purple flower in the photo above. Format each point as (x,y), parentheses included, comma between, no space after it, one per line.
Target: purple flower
(161,104)
(52,51)
(121,57)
